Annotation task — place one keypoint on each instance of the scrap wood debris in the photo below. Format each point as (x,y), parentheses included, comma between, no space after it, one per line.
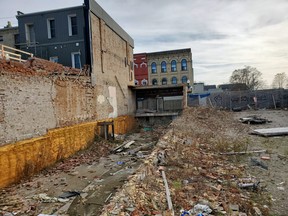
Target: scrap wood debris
(197,175)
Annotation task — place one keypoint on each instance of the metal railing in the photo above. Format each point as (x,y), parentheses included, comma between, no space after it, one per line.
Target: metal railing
(10,53)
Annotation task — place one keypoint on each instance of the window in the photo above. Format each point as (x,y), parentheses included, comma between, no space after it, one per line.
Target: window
(174,80)
(184,65)
(72,25)
(173,66)
(164,81)
(51,28)
(163,67)
(76,61)
(17,41)
(30,33)
(184,79)
(1,38)
(144,82)
(154,67)
(154,82)
(136,82)
(54,59)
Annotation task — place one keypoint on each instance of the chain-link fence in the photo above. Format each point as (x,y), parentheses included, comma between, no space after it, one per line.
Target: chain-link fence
(260,99)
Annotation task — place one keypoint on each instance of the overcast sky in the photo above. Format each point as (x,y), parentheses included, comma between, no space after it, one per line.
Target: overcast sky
(223,35)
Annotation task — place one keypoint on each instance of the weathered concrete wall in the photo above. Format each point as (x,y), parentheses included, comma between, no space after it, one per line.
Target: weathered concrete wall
(265,99)
(25,158)
(8,36)
(112,66)
(30,105)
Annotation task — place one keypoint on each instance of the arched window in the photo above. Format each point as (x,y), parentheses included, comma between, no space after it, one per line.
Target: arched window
(144,82)
(135,65)
(136,82)
(184,65)
(154,82)
(184,79)
(164,81)
(154,67)
(173,66)
(163,67)
(174,80)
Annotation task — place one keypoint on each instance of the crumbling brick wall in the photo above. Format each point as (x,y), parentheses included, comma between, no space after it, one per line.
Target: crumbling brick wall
(37,98)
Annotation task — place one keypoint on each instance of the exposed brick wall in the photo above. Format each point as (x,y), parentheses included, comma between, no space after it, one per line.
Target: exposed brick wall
(32,102)
(112,58)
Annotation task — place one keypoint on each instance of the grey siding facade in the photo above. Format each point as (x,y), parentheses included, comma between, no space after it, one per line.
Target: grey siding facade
(61,44)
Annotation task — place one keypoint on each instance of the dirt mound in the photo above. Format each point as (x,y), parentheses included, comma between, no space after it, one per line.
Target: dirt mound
(196,172)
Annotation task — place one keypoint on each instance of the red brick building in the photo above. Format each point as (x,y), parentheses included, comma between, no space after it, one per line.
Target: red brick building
(141,69)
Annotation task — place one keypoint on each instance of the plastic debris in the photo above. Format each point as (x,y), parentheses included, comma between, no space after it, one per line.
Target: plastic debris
(120,162)
(46,199)
(199,208)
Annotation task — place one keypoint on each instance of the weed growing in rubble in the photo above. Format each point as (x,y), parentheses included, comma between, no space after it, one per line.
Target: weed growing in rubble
(177,184)
(222,144)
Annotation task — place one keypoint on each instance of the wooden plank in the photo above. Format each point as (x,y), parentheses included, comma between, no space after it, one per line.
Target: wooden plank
(243,152)
(281,131)
(10,48)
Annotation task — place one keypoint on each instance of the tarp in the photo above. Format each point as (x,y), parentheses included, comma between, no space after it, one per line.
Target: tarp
(193,96)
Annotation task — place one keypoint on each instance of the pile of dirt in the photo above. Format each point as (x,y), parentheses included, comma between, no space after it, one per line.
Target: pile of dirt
(197,174)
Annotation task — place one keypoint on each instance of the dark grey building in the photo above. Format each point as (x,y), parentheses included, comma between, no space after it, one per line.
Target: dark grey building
(56,35)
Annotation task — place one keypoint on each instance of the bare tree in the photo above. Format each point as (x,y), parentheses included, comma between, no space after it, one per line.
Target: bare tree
(280,80)
(248,75)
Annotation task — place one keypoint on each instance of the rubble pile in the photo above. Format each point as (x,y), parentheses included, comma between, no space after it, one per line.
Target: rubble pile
(15,67)
(37,66)
(13,202)
(200,179)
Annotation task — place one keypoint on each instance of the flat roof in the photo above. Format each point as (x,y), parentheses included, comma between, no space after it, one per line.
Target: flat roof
(157,87)
(98,11)
(48,11)
(9,28)
(170,52)
(158,91)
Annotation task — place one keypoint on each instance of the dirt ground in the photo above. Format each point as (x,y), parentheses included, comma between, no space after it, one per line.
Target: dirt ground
(130,183)
(275,179)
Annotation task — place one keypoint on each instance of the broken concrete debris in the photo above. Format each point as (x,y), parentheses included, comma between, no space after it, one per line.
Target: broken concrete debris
(196,174)
(200,179)
(254,120)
